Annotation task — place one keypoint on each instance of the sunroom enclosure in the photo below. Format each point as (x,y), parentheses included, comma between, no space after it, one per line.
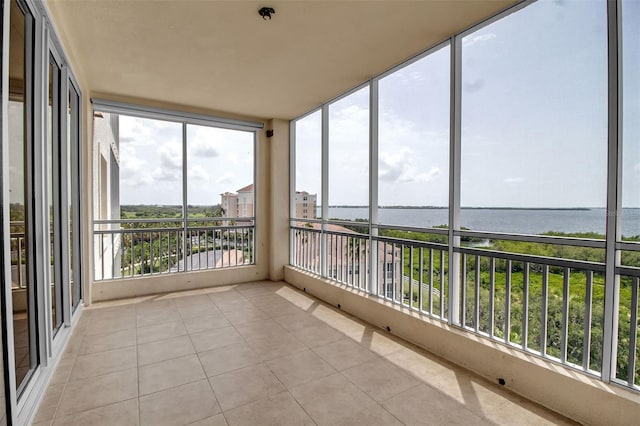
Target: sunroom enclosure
(411,166)
(425,201)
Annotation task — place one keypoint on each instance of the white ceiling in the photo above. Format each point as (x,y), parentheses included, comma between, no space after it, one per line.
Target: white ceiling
(222,56)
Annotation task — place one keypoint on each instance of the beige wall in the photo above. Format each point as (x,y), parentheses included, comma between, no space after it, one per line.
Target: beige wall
(279,199)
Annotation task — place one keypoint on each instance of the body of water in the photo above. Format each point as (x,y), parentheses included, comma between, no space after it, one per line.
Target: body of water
(521,221)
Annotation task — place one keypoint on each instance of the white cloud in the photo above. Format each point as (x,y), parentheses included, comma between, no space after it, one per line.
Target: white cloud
(479,38)
(202,148)
(513,180)
(225,178)
(171,155)
(400,167)
(197,172)
(637,167)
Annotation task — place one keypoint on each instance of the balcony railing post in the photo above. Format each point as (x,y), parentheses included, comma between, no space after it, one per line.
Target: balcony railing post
(455,133)
(614,179)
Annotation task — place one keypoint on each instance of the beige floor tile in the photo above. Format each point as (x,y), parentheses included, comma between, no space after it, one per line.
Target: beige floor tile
(477,394)
(271,348)
(119,414)
(157,317)
(253,290)
(375,416)
(111,313)
(240,387)
(108,341)
(318,335)
(168,374)
(156,305)
(281,309)
(376,341)
(380,379)
(217,420)
(98,391)
(228,358)
(332,399)
(162,350)
(226,295)
(344,354)
(198,310)
(298,321)
(273,286)
(269,300)
(96,364)
(216,338)
(296,369)
(63,370)
(49,403)
(525,413)
(261,329)
(340,322)
(242,316)
(102,326)
(207,322)
(423,405)
(192,300)
(278,410)
(421,365)
(161,331)
(179,406)
(240,304)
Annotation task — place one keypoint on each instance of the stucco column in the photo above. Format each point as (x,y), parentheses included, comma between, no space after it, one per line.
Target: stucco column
(278,198)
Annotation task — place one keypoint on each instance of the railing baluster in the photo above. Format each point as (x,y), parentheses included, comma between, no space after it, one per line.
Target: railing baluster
(442,291)
(463,288)
(633,333)
(420,279)
(525,306)
(113,256)
(565,315)
(507,303)
(411,276)
(431,291)
(545,308)
(492,291)
(588,297)
(476,296)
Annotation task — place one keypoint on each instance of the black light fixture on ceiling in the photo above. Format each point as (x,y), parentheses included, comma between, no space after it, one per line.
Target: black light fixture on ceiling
(266,12)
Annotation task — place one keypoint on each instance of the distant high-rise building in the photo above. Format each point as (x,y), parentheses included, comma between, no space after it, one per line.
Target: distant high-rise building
(240,204)
(305,205)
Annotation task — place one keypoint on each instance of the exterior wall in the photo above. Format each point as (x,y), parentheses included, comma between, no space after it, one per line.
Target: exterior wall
(245,203)
(573,394)
(306,205)
(229,203)
(106,182)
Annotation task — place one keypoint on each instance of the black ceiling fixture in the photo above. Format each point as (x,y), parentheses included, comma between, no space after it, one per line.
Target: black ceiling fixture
(266,12)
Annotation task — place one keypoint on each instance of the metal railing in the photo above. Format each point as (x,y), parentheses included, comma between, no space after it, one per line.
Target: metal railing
(18,255)
(142,247)
(415,274)
(545,306)
(627,364)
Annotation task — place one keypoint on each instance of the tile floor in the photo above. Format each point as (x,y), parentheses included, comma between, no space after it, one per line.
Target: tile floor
(259,354)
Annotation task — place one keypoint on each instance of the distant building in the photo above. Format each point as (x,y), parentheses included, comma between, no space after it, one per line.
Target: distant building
(229,203)
(106,183)
(240,204)
(305,205)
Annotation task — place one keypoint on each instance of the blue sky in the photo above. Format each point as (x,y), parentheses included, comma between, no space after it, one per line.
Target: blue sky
(534,118)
